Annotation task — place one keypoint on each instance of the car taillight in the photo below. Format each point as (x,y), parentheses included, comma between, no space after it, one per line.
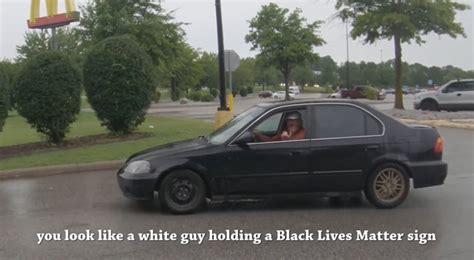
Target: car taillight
(439,145)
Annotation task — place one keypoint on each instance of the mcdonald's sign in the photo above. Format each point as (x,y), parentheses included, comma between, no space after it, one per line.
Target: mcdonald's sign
(53,18)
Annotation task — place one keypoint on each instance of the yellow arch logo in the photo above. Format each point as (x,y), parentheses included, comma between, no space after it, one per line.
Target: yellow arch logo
(53,18)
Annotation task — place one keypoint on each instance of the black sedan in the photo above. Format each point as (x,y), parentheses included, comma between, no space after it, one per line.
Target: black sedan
(291,147)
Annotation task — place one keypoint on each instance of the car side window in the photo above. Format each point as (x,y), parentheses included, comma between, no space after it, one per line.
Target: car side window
(282,126)
(333,121)
(468,86)
(453,87)
(270,125)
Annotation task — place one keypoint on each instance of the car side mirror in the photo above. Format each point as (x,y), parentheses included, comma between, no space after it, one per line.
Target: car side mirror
(444,90)
(245,138)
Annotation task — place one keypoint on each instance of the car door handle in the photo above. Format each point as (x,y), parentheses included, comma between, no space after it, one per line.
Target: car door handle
(372,147)
(459,94)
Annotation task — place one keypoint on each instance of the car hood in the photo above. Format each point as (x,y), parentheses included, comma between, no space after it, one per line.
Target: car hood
(170,149)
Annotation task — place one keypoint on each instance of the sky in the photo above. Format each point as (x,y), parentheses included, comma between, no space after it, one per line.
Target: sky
(201,31)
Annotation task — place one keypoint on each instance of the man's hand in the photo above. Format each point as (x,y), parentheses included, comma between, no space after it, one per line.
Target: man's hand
(285,135)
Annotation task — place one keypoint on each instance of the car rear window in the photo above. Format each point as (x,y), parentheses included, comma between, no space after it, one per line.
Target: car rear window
(332,121)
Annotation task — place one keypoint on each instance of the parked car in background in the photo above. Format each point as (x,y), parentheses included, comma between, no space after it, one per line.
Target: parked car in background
(380,157)
(265,94)
(335,95)
(281,95)
(452,96)
(294,89)
(359,92)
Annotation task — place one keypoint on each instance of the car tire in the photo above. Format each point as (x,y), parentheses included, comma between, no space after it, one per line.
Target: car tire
(429,105)
(387,186)
(182,192)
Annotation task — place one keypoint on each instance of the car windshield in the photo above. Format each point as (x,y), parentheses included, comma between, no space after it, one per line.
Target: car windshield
(223,134)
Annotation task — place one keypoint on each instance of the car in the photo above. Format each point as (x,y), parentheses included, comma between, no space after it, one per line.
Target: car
(335,95)
(452,96)
(294,89)
(346,146)
(282,94)
(360,92)
(265,94)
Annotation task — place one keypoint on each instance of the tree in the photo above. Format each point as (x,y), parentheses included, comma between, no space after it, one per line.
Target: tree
(68,41)
(243,76)
(4,98)
(302,75)
(48,94)
(144,20)
(284,39)
(9,71)
(119,83)
(400,20)
(328,71)
(209,79)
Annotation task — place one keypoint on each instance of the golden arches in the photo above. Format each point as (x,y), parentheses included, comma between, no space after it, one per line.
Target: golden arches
(51,8)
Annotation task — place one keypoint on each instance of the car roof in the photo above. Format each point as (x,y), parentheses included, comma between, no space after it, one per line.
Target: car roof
(309,101)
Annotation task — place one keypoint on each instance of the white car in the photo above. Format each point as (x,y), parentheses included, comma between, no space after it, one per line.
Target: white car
(294,89)
(454,95)
(335,95)
(281,95)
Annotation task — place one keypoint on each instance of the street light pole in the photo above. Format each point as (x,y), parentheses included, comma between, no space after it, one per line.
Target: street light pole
(220,41)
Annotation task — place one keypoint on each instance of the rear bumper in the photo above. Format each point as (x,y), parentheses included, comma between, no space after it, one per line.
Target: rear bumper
(427,174)
(138,188)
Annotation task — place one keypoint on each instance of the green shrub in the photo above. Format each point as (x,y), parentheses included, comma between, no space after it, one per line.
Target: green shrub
(157,96)
(48,94)
(371,93)
(119,84)
(4,97)
(206,97)
(249,89)
(194,95)
(243,92)
(214,92)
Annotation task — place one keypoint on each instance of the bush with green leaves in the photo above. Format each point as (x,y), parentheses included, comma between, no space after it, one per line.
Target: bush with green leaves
(4,97)
(243,92)
(214,92)
(249,89)
(157,96)
(119,83)
(194,95)
(371,93)
(48,94)
(206,97)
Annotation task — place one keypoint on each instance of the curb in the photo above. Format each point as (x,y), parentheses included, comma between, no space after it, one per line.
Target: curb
(60,169)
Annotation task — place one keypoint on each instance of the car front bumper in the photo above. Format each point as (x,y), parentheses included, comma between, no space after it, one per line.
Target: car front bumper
(427,174)
(136,187)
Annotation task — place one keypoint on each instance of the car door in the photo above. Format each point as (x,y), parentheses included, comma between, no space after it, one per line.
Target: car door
(451,96)
(467,95)
(272,166)
(345,138)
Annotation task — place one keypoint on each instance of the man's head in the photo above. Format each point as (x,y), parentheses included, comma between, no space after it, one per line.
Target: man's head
(293,122)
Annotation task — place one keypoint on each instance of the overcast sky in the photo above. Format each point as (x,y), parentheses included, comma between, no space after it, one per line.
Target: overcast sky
(201,31)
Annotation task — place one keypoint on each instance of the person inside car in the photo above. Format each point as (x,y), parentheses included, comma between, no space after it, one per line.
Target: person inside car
(292,130)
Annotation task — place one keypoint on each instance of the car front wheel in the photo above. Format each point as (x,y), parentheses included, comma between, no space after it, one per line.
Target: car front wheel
(387,186)
(429,105)
(182,192)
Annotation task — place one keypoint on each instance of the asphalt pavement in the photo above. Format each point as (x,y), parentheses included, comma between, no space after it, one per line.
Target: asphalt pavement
(92,201)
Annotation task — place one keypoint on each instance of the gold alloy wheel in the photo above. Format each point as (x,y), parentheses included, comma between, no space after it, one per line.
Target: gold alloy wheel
(389,185)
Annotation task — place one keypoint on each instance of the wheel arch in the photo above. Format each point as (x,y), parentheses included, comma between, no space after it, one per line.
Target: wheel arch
(382,161)
(198,170)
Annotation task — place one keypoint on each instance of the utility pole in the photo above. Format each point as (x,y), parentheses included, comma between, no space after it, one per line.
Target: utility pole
(220,41)
(347,57)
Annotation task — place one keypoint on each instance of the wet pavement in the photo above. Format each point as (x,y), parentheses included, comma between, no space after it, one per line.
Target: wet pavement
(77,202)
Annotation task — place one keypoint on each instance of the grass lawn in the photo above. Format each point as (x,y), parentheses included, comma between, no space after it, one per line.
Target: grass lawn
(165,130)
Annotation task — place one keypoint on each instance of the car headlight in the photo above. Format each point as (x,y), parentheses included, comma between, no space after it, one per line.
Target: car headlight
(138,167)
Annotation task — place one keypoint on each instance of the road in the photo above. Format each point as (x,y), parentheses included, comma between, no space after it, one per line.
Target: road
(77,202)
(207,111)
